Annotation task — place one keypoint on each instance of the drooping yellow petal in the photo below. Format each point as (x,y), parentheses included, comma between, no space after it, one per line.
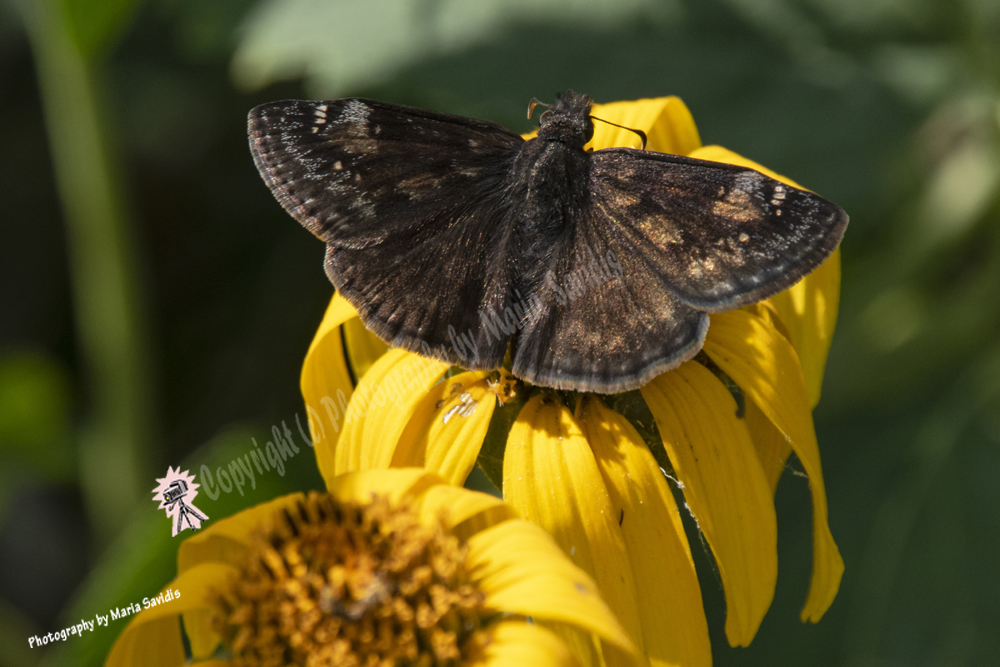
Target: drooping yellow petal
(766,367)
(363,347)
(725,488)
(153,637)
(772,446)
(326,384)
(517,643)
(809,311)
(551,478)
(809,307)
(448,427)
(675,631)
(666,121)
(386,398)
(521,570)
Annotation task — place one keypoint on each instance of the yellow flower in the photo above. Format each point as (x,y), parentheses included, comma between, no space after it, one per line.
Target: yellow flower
(579,468)
(387,568)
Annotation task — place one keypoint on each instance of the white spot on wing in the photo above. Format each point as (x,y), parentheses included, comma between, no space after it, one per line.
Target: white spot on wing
(748,181)
(355,112)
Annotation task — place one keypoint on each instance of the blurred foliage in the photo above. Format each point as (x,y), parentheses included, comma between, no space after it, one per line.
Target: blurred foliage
(94,25)
(338,46)
(891,108)
(35,423)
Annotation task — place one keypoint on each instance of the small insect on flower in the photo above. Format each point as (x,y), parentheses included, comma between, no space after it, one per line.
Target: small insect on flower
(455,237)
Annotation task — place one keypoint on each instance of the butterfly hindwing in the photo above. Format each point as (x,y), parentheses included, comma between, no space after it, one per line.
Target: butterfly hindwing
(607,322)
(719,235)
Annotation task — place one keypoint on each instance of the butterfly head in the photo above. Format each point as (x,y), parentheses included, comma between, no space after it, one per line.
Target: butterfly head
(568,121)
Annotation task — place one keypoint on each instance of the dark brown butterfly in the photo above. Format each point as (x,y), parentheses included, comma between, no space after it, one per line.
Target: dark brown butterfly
(454,237)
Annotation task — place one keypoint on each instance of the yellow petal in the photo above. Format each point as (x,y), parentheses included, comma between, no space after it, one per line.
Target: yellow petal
(386,398)
(766,367)
(809,311)
(396,484)
(772,446)
(809,307)
(521,570)
(675,631)
(326,384)
(153,637)
(463,511)
(666,121)
(551,478)
(724,486)
(516,643)
(363,347)
(198,628)
(448,427)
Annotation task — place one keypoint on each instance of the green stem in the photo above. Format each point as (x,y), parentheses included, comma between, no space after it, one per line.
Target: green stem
(114,472)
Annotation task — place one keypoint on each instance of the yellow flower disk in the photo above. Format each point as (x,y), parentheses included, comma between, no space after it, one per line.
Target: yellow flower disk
(388,567)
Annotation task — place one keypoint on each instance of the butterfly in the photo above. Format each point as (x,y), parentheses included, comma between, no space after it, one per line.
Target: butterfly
(456,238)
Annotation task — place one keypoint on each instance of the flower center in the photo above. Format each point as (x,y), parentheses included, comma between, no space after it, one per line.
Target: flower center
(350,584)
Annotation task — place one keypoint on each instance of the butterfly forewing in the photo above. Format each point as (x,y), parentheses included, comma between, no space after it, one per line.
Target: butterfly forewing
(409,203)
(356,172)
(718,235)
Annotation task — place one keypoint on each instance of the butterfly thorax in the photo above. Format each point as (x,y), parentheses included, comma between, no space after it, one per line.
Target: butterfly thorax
(549,191)
(568,121)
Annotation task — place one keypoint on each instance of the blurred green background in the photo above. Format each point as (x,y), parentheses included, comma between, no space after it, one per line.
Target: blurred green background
(156,303)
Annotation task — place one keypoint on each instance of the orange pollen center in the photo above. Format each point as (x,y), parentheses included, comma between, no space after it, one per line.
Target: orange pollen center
(350,584)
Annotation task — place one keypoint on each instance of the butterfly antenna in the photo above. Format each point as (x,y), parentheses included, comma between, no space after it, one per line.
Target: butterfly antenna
(535,103)
(642,135)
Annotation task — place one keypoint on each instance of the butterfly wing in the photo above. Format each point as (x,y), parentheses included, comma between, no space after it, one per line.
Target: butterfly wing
(721,236)
(661,240)
(603,320)
(410,204)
